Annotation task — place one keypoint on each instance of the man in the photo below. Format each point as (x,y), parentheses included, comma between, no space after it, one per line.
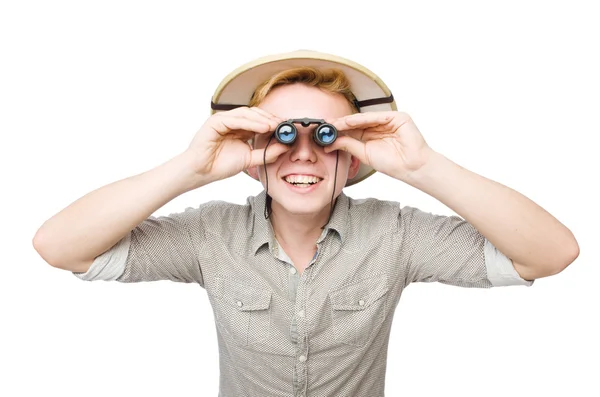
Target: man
(304,280)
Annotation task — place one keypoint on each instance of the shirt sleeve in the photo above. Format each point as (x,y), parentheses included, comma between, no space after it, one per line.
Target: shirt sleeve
(110,265)
(159,248)
(449,250)
(500,268)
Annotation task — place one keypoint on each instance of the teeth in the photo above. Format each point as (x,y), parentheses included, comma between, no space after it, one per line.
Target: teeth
(302,179)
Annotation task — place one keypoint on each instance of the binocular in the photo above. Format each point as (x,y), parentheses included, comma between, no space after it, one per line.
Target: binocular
(325,134)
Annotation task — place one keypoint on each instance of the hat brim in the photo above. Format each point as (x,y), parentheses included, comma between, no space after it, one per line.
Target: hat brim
(238,86)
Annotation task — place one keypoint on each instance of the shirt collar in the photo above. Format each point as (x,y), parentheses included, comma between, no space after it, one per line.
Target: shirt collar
(262,232)
(339,218)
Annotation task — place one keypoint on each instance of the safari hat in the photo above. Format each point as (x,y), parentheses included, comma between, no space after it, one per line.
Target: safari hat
(371,93)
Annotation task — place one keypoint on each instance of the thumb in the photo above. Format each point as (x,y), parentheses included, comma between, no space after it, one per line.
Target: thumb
(273,151)
(348,144)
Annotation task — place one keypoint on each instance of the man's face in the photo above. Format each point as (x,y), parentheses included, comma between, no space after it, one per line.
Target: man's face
(301,180)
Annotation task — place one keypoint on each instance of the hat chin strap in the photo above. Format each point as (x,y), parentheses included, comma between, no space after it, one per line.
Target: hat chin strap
(359,104)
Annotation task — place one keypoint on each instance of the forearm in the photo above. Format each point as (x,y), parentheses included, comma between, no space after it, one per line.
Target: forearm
(517,226)
(91,225)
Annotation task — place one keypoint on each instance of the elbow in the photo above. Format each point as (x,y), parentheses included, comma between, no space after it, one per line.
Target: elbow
(552,263)
(52,254)
(40,246)
(569,252)
(46,250)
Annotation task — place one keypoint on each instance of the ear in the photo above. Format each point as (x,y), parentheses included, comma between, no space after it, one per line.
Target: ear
(253,172)
(354,167)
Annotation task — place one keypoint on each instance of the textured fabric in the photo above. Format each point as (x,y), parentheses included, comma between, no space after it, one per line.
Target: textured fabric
(324,332)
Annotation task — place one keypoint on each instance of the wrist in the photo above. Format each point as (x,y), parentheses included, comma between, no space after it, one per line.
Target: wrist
(433,172)
(182,169)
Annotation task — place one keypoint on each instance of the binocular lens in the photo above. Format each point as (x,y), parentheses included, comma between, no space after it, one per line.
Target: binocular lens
(286,133)
(325,134)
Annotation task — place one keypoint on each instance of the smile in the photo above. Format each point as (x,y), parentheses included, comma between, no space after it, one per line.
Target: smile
(302,180)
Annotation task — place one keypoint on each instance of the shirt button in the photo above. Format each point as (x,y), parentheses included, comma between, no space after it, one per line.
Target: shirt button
(361,302)
(292,270)
(302,359)
(239,303)
(301,313)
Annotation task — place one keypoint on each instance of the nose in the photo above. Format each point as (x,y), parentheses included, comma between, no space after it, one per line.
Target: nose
(304,147)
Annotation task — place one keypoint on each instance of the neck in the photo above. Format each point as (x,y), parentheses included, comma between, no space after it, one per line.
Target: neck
(298,230)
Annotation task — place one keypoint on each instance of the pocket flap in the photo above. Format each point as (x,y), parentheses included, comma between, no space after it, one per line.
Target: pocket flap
(360,295)
(243,297)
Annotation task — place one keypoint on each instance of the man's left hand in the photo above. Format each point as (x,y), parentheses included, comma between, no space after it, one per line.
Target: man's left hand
(390,142)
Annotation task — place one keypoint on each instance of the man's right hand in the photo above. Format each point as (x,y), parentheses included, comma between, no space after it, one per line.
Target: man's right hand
(221,148)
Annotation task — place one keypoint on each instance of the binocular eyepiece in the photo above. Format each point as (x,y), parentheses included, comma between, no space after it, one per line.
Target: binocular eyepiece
(325,134)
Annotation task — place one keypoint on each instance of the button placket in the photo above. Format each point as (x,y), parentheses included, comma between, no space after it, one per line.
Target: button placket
(302,355)
(302,350)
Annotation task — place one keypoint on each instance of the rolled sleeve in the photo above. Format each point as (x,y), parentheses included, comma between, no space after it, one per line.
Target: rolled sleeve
(500,269)
(110,265)
(166,248)
(159,248)
(444,249)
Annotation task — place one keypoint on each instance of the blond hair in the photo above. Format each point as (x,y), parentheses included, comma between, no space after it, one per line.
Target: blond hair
(330,80)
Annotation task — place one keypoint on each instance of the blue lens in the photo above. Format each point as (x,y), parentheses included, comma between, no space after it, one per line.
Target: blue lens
(286,133)
(326,134)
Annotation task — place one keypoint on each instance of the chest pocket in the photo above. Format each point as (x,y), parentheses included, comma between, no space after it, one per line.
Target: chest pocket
(358,309)
(241,311)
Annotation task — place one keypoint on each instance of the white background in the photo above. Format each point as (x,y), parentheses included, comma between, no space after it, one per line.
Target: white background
(92,92)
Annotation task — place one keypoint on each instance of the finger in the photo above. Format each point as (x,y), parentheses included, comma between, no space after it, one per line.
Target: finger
(273,152)
(380,128)
(368,134)
(227,124)
(375,133)
(362,120)
(350,145)
(253,114)
(260,114)
(401,121)
(267,114)
(356,134)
